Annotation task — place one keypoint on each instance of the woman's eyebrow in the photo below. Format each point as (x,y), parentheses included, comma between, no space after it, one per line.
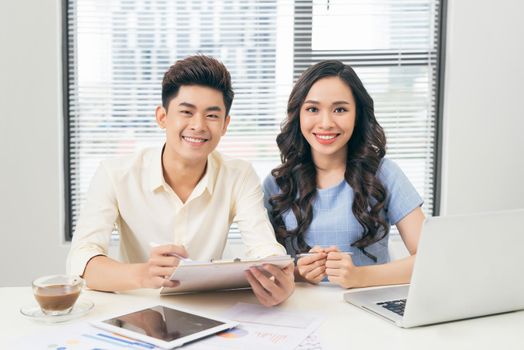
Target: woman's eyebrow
(340,103)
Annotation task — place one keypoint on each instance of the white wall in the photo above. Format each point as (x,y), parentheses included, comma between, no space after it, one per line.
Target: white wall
(483,107)
(31,204)
(483,131)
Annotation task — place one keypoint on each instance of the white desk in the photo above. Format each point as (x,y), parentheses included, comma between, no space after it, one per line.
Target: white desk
(345,326)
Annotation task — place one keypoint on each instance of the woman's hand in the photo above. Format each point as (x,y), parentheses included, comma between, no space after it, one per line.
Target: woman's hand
(312,268)
(271,284)
(340,269)
(161,264)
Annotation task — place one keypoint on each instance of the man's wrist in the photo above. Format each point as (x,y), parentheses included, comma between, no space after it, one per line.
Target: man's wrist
(138,273)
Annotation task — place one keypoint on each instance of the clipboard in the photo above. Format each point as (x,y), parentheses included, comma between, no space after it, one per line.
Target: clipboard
(198,276)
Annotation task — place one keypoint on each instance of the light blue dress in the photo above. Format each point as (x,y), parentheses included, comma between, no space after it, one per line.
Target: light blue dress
(334,222)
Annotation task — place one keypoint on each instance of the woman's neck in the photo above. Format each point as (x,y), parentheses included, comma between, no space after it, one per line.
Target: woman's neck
(330,169)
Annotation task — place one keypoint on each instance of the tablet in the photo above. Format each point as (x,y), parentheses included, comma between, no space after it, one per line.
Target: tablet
(199,276)
(164,326)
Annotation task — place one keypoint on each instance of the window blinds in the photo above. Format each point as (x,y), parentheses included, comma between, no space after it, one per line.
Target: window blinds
(118,51)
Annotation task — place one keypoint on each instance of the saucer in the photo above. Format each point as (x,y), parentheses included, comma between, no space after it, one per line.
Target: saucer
(33,311)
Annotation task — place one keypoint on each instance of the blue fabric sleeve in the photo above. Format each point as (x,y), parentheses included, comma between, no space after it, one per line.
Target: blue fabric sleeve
(270,189)
(402,197)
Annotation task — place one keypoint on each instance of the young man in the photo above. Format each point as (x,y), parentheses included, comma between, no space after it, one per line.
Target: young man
(184,196)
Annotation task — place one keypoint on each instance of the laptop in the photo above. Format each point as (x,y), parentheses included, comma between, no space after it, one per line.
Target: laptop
(466,266)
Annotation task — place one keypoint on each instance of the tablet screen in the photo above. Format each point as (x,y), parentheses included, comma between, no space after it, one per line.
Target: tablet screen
(163,323)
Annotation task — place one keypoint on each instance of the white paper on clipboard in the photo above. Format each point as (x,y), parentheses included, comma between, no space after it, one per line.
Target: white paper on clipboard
(195,276)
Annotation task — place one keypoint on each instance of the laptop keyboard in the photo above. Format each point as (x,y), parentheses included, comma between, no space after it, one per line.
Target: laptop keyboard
(397,306)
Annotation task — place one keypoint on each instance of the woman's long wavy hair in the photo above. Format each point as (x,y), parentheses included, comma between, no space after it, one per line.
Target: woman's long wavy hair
(296,176)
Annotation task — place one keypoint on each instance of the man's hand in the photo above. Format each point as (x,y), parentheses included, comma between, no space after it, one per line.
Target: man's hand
(161,264)
(271,284)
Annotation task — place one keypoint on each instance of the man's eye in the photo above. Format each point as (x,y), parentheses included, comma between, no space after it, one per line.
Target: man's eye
(213,116)
(185,112)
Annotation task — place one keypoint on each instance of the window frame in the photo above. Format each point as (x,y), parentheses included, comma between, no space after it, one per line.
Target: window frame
(439,101)
(68,217)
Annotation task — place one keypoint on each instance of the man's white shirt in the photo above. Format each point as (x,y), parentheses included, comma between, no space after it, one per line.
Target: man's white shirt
(131,192)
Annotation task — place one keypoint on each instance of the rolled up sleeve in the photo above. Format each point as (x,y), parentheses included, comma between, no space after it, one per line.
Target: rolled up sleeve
(252,219)
(97,219)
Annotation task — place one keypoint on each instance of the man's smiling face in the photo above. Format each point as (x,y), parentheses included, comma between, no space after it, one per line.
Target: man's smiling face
(195,121)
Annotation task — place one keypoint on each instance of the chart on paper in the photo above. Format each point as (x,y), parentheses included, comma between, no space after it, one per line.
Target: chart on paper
(83,337)
(264,328)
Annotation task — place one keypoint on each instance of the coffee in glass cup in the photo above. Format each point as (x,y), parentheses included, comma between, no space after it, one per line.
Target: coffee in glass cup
(57,294)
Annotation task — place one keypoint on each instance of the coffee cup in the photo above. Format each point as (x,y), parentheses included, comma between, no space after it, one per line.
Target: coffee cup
(57,294)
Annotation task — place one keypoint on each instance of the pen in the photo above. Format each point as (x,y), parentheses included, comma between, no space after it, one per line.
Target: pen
(310,254)
(181,258)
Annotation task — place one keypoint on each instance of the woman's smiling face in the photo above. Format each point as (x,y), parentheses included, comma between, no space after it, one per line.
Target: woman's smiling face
(327,118)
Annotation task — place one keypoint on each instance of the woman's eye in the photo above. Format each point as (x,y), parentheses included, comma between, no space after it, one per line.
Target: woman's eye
(312,109)
(340,110)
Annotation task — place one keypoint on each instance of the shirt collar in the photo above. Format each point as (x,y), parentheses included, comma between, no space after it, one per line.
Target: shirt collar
(208,180)
(156,175)
(211,172)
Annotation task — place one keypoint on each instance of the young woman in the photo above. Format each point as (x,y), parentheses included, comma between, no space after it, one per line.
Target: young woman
(335,195)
